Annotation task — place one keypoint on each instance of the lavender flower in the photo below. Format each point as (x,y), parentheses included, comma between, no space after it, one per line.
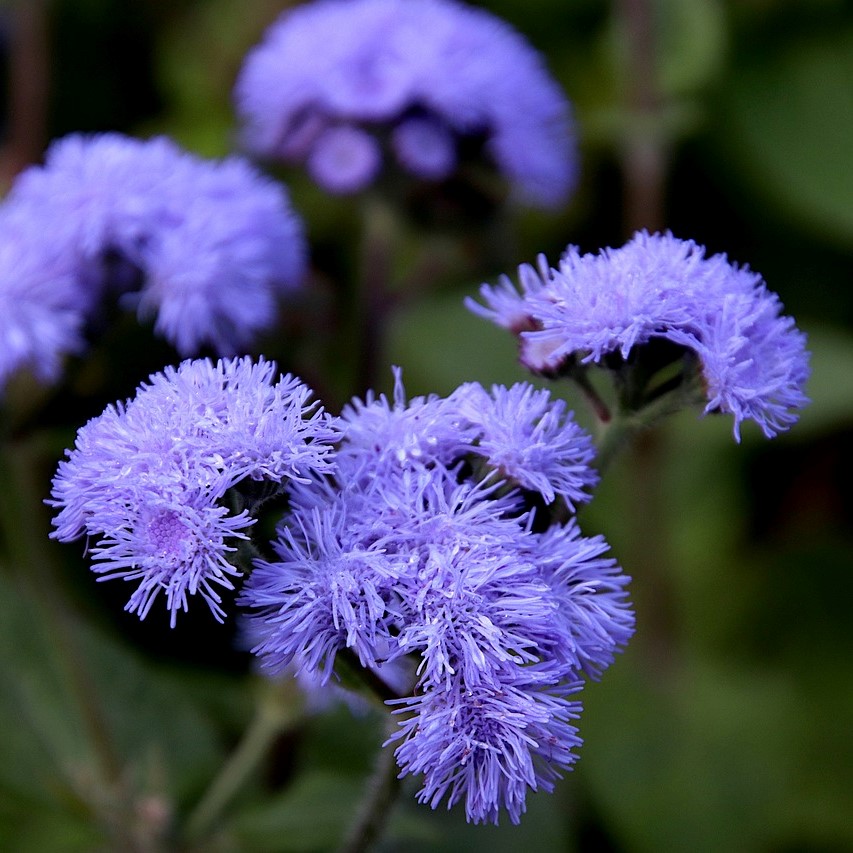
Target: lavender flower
(425,430)
(593,308)
(148,477)
(488,746)
(531,440)
(593,619)
(327,591)
(40,319)
(410,550)
(205,247)
(439,75)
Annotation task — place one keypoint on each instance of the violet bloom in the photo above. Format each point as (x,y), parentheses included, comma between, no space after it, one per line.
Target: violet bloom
(488,747)
(425,545)
(205,247)
(147,478)
(531,440)
(41,319)
(593,309)
(335,81)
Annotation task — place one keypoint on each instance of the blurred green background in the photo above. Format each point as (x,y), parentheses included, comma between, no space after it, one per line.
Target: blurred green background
(726,726)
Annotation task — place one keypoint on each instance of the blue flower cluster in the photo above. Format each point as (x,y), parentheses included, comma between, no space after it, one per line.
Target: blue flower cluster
(436,538)
(335,82)
(204,247)
(753,360)
(421,538)
(147,479)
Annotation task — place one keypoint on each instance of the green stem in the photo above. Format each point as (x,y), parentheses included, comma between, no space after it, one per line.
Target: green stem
(383,788)
(579,374)
(278,709)
(374,298)
(626,426)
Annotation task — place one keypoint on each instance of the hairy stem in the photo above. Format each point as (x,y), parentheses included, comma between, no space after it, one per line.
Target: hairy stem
(278,709)
(28,87)
(383,788)
(644,154)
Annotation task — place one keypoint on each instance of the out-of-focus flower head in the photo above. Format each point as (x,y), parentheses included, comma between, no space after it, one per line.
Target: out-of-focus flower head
(147,478)
(206,247)
(429,542)
(656,288)
(340,84)
(41,318)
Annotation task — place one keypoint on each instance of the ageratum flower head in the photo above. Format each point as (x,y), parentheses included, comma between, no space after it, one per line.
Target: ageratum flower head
(429,543)
(40,317)
(204,247)
(340,85)
(656,288)
(147,478)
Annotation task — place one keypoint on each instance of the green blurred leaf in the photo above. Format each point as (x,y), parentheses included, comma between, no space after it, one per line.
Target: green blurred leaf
(165,741)
(312,814)
(692,41)
(830,386)
(787,125)
(441,344)
(699,767)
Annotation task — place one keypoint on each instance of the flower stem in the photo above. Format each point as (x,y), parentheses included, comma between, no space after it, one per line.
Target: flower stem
(374,296)
(626,425)
(278,709)
(383,788)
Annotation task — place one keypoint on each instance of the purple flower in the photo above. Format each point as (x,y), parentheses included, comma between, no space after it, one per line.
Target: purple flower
(207,248)
(753,360)
(593,618)
(148,477)
(488,746)
(423,430)
(171,541)
(344,159)
(439,75)
(355,563)
(524,436)
(424,545)
(530,440)
(327,591)
(40,318)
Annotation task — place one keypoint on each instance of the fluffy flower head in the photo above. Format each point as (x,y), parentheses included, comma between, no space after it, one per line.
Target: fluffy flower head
(206,247)
(40,317)
(147,477)
(423,546)
(530,439)
(436,73)
(488,747)
(753,360)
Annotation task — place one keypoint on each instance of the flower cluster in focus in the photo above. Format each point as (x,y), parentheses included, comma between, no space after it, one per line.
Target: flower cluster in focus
(611,308)
(439,536)
(342,85)
(147,479)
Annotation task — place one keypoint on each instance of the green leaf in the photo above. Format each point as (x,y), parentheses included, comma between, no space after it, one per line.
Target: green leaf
(312,814)
(787,125)
(162,734)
